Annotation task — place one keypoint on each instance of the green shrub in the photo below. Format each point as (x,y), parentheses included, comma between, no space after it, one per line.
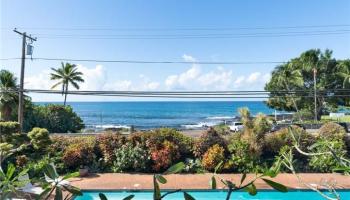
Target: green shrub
(80,153)
(130,158)
(39,138)
(107,144)
(241,159)
(332,131)
(8,128)
(276,140)
(213,156)
(55,118)
(327,162)
(208,139)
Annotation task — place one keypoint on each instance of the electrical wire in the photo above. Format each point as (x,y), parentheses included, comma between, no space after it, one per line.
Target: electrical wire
(146,62)
(180,28)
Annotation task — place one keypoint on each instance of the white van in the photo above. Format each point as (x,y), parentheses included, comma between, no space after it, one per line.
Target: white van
(236,126)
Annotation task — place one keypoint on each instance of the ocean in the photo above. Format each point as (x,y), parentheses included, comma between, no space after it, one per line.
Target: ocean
(149,115)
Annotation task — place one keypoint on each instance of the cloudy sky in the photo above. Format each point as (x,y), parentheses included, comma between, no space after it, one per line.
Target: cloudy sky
(102,29)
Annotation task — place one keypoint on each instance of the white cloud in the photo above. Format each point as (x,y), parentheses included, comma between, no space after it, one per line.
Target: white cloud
(253,77)
(94,78)
(121,85)
(239,81)
(188,58)
(184,79)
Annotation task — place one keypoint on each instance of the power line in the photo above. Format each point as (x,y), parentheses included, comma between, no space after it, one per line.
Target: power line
(150,37)
(191,35)
(148,62)
(180,28)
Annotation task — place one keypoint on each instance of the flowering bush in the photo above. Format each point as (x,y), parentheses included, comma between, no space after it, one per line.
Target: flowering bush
(208,139)
(79,154)
(213,156)
(164,156)
(159,136)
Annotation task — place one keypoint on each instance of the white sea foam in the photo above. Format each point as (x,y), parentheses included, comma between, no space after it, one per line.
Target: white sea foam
(109,126)
(199,125)
(221,117)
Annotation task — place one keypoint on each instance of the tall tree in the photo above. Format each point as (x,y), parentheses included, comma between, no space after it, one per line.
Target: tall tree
(8,95)
(66,74)
(297,74)
(344,74)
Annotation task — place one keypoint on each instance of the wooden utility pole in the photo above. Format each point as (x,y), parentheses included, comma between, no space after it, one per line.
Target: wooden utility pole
(21,83)
(315,93)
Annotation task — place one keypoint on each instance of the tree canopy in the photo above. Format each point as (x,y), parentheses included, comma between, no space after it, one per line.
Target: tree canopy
(292,83)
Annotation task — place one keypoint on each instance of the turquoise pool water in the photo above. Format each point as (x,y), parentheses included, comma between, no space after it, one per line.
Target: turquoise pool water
(215,195)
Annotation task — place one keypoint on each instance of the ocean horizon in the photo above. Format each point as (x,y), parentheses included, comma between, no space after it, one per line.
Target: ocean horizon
(155,114)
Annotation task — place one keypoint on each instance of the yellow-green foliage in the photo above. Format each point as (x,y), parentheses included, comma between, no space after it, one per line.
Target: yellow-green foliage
(332,131)
(213,157)
(39,138)
(8,128)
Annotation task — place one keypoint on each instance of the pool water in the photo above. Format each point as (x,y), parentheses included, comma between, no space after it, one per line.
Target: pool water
(214,195)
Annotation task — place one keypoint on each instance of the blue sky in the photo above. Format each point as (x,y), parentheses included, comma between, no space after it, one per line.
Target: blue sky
(44,18)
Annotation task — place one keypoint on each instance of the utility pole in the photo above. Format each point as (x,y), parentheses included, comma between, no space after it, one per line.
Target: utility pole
(315,93)
(21,83)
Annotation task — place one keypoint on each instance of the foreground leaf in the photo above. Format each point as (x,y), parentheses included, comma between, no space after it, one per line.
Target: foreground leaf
(213,183)
(129,197)
(276,186)
(175,168)
(102,196)
(251,189)
(188,196)
(161,179)
(243,177)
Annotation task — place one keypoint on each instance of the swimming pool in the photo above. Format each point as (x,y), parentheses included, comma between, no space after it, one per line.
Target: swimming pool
(214,195)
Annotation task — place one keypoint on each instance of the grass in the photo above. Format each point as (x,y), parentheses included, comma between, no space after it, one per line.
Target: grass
(345,118)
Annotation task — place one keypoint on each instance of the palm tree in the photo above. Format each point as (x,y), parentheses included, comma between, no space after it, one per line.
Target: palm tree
(344,72)
(289,76)
(8,95)
(66,74)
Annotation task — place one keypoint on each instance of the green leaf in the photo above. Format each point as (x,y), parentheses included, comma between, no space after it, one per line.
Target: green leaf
(341,169)
(251,189)
(10,170)
(71,175)
(243,177)
(276,186)
(218,166)
(160,178)
(188,196)
(156,192)
(50,171)
(213,183)
(73,190)
(129,197)
(228,183)
(175,168)
(43,193)
(58,194)
(102,196)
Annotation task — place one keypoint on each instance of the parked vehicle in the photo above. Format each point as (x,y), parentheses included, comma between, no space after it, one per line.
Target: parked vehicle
(236,126)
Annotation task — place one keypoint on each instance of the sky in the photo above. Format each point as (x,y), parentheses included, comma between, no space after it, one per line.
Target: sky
(106,30)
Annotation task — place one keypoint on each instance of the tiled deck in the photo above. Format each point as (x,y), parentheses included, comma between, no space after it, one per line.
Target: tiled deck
(116,181)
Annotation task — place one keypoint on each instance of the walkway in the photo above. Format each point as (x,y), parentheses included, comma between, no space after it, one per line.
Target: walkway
(116,181)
